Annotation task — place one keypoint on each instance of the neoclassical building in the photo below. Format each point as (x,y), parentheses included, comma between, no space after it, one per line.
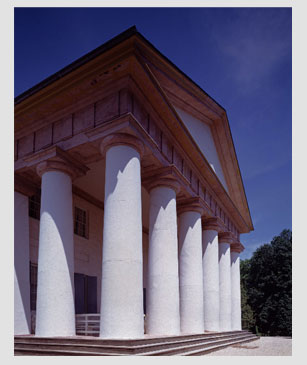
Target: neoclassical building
(129,200)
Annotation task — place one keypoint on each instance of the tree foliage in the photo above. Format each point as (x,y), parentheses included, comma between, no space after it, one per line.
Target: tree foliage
(248,317)
(266,279)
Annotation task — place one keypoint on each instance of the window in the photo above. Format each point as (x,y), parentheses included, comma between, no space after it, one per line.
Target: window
(35,206)
(33,286)
(81,223)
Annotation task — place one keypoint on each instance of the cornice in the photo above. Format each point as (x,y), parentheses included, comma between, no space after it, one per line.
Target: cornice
(188,108)
(154,57)
(240,197)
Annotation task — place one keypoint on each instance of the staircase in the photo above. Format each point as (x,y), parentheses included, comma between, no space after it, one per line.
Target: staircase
(185,345)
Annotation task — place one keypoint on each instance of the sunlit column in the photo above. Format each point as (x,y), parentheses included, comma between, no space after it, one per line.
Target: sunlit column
(190,269)
(211,274)
(235,289)
(163,317)
(55,310)
(122,262)
(225,281)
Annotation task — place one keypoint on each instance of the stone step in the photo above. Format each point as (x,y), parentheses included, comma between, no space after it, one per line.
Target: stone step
(40,352)
(175,345)
(219,347)
(181,350)
(133,349)
(119,342)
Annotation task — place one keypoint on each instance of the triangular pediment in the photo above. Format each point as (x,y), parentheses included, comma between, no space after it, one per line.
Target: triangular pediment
(197,111)
(94,89)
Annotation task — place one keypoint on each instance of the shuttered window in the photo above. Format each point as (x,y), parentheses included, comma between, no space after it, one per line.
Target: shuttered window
(81,222)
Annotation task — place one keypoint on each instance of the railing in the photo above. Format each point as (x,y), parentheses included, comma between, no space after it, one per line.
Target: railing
(88,324)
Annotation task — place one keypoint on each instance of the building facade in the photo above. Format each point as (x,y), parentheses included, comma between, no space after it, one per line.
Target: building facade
(129,201)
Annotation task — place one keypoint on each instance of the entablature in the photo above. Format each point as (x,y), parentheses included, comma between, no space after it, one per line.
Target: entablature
(160,157)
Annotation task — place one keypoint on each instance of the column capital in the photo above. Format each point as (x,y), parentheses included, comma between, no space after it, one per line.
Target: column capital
(226,237)
(190,205)
(162,182)
(165,176)
(237,247)
(54,165)
(56,159)
(125,139)
(213,223)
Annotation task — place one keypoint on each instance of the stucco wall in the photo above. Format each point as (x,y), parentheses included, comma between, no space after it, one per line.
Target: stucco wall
(201,133)
(87,251)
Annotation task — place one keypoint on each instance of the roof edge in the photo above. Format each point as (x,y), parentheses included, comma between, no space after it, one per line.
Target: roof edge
(96,52)
(77,63)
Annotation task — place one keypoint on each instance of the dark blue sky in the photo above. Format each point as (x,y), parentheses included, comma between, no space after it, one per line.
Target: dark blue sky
(240,56)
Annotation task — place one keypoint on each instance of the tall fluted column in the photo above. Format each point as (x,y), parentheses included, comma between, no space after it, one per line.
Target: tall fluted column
(22,317)
(235,289)
(211,228)
(122,263)
(225,281)
(190,269)
(163,317)
(55,310)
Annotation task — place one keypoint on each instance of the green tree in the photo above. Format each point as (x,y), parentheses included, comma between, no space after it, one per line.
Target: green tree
(269,285)
(248,317)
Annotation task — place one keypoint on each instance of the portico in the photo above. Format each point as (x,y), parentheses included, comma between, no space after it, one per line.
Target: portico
(163,233)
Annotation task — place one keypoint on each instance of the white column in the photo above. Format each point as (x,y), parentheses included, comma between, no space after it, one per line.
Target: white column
(211,279)
(225,286)
(22,316)
(235,291)
(122,281)
(163,317)
(190,273)
(55,310)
